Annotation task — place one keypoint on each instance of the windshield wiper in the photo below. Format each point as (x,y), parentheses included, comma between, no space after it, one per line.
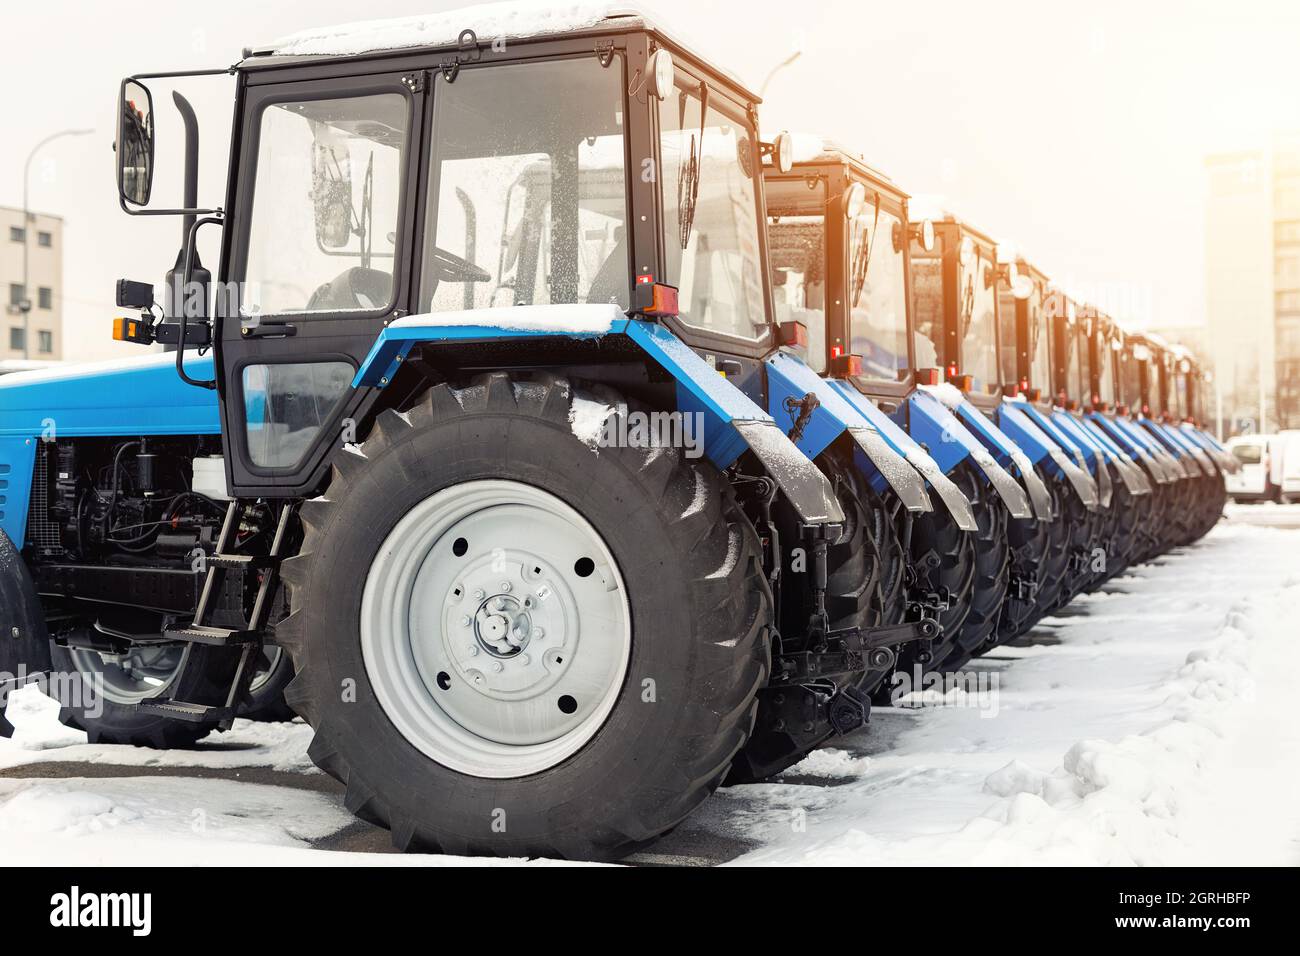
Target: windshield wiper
(688,175)
(862,260)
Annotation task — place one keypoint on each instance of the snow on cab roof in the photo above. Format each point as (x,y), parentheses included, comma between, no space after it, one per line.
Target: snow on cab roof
(515,20)
(511,20)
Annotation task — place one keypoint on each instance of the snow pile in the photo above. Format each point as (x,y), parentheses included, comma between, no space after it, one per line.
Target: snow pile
(1117,746)
(489,21)
(579,319)
(587,419)
(930,206)
(40,738)
(947,393)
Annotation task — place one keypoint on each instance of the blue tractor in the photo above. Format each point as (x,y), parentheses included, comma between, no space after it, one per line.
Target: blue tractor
(484,424)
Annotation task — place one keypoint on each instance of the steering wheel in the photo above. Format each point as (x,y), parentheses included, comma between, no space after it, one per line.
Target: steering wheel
(452,268)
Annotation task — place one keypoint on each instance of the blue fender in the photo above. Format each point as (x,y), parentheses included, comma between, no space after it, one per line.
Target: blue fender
(1088,456)
(1157,434)
(1007,453)
(1135,432)
(789,380)
(1022,422)
(950,443)
(732,422)
(958,505)
(1189,447)
(1087,433)
(1225,462)
(130,397)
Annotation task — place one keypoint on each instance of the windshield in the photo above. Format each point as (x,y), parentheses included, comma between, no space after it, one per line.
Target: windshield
(326,203)
(1040,340)
(1008,324)
(1105,370)
(877,291)
(1074,361)
(712,244)
(927,305)
(977,315)
(796,244)
(527,199)
(1248,453)
(1130,379)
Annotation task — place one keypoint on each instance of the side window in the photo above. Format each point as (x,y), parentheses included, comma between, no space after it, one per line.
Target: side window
(323,231)
(286,405)
(711,225)
(528,202)
(796,250)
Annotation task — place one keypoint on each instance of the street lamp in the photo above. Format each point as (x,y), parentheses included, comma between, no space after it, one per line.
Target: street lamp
(777,69)
(25,306)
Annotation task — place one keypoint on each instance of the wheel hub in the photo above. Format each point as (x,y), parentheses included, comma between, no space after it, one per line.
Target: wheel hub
(495,628)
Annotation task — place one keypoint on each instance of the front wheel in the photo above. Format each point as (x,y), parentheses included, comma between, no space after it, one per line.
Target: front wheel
(510,641)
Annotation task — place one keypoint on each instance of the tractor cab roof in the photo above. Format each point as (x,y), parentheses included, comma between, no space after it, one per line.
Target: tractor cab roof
(812,150)
(496,24)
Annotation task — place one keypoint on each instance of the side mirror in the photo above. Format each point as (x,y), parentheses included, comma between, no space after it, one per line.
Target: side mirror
(661,75)
(923,232)
(331,191)
(135,143)
(783,152)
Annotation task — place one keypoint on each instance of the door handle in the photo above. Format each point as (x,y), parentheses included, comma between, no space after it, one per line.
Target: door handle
(267,330)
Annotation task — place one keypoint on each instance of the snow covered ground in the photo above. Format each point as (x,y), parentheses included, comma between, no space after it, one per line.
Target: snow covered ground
(1150,724)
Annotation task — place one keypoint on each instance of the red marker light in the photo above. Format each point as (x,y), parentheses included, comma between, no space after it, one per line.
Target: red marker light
(846,365)
(655,299)
(927,376)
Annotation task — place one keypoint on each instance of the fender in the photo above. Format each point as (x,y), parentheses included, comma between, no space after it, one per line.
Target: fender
(1088,455)
(733,423)
(958,505)
(788,378)
(1224,461)
(1022,423)
(1177,437)
(1140,437)
(24,643)
(131,397)
(1087,433)
(1154,433)
(1007,452)
(1129,447)
(949,442)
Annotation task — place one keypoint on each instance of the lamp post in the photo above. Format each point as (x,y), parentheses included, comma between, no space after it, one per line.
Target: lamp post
(25,306)
(777,69)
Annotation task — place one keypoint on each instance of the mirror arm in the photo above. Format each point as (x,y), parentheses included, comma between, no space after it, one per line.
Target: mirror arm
(186,275)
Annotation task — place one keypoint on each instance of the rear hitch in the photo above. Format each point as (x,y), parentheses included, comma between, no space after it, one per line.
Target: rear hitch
(848,710)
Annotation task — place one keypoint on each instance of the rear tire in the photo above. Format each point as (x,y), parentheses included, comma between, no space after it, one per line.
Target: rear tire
(682,558)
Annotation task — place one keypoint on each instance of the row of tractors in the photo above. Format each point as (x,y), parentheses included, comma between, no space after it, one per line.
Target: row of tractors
(556,446)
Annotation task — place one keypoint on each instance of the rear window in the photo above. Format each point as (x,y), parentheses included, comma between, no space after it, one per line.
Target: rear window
(1248,454)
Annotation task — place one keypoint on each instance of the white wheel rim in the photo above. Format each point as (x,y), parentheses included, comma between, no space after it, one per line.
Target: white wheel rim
(495,629)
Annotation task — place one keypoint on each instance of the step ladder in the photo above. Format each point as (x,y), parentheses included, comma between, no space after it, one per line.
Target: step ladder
(227,664)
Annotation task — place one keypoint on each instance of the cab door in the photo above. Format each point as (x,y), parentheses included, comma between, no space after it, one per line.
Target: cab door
(317,265)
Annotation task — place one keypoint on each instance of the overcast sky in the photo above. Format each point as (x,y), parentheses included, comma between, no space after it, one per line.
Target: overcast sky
(1076,130)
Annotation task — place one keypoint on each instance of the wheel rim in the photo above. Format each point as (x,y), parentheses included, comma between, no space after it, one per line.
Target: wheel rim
(142,673)
(266,665)
(495,629)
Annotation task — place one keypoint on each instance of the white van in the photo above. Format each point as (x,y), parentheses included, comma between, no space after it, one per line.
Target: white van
(1289,479)
(1261,468)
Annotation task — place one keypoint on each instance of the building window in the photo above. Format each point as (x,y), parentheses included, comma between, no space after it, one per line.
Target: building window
(16,294)
(17,234)
(45,239)
(45,298)
(45,341)
(17,339)
(1286,273)
(1285,233)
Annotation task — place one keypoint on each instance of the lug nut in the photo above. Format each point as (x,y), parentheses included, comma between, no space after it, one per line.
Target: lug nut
(478,594)
(465,620)
(538,633)
(505,586)
(497,666)
(473,650)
